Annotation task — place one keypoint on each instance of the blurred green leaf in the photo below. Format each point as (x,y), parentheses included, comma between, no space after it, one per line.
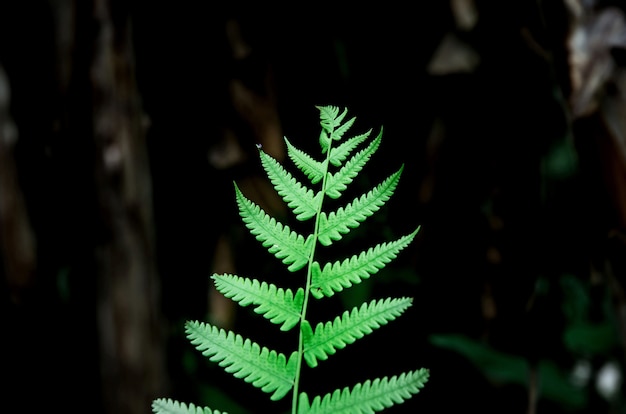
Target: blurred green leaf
(591,339)
(561,161)
(576,300)
(505,368)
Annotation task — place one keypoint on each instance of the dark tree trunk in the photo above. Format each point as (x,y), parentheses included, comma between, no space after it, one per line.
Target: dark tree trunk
(17,241)
(132,359)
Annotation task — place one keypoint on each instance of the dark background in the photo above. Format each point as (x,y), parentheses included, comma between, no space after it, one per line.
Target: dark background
(128,122)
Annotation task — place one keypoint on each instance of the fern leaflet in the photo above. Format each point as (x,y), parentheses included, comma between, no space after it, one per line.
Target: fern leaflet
(313,169)
(303,201)
(265,369)
(285,244)
(274,303)
(340,129)
(368,397)
(339,153)
(337,223)
(168,406)
(340,275)
(339,181)
(330,336)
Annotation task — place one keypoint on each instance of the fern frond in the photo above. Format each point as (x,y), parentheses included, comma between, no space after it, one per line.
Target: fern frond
(287,245)
(337,276)
(303,201)
(312,168)
(265,369)
(368,397)
(274,303)
(334,225)
(344,330)
(339,153)
(278,374)
(338,182)
(169,406)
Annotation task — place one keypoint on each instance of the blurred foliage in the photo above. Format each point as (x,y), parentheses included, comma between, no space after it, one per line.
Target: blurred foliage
(584,338)
(502,368)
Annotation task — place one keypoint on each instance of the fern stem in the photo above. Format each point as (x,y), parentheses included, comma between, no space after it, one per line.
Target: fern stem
(296,385)
(294,405)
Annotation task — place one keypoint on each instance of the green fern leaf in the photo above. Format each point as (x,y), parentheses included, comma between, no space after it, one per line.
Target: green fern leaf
(340,130)
(168,406)
(334,225)
(274,303)
(339,153)
(313,169)
(303,201)
(265,369)
(330,118)
(324,141)
(340,275)
(368,397)
(285,244)
(344,330)
(338,182)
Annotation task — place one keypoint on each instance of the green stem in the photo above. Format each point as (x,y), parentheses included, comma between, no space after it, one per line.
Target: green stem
(296,385)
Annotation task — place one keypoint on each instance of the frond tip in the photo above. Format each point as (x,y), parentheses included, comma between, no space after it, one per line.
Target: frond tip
(368,397)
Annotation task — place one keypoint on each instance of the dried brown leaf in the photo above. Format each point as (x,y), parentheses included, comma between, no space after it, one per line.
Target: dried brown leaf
(592,37)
